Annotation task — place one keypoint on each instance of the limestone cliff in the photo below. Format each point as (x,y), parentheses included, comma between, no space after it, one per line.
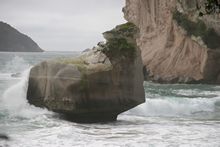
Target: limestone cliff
(12,40)
(176,45)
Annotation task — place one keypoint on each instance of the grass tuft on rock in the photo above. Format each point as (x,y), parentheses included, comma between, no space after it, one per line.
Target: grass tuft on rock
(78,62)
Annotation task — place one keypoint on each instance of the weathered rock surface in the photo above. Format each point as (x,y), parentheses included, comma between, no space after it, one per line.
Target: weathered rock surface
(12,40)
(176,48)
(97,85)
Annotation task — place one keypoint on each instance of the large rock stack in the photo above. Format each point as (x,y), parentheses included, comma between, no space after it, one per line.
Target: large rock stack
(96,86)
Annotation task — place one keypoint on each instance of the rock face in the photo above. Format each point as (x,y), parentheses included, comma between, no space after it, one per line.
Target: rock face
(97,85)
(13,41)
(176,45)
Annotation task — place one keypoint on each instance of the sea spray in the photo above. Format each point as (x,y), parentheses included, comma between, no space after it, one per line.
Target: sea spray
(14,99)
(16,65)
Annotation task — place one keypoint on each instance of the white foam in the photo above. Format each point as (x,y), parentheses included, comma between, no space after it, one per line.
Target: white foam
(17,64)
(176,106)
(14,97)
(5,76)
(15,102)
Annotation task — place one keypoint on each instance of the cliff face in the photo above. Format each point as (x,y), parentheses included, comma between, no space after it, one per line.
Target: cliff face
(12,40)
(174,50)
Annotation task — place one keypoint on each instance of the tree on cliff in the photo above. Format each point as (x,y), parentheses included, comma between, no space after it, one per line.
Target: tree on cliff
(208,7)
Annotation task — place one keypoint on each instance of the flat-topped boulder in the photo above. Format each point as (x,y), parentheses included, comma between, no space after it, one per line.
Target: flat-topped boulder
(95,86)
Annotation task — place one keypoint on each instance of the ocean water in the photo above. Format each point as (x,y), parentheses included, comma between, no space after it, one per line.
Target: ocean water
(173,115)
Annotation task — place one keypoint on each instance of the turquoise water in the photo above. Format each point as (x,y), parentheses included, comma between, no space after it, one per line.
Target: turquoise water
(173,115)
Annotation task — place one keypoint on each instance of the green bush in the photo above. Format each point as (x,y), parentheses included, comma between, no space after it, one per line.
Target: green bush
(119,48)
(121,44)
(126,30)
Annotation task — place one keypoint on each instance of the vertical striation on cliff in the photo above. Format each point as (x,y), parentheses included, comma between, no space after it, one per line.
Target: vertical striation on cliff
(169,52)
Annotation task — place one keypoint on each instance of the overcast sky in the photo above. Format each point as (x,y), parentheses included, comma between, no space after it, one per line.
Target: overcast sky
(63,25)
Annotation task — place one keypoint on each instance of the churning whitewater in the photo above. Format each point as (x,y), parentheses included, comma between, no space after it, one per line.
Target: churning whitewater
(172,114)
(14,99)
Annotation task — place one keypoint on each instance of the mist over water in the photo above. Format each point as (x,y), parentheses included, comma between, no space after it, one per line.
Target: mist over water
(173,115)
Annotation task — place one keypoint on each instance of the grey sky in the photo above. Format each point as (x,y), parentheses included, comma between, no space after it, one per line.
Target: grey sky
(64,25)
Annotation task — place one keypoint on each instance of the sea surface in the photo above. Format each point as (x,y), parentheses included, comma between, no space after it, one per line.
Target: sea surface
(173,115)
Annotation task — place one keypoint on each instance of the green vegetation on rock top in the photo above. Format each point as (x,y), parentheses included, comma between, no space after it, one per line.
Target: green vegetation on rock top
(119,48)
(127,29)
(124,30)
(121,42)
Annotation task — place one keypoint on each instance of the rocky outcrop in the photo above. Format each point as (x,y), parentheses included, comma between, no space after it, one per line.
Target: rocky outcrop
(97,85)
(4,137)
(176,45)
(12,40)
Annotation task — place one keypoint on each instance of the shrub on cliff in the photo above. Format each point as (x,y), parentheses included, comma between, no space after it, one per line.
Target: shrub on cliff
(198,29)
(208,7)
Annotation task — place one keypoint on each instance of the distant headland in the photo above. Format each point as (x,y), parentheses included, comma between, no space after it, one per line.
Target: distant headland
(11,40)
